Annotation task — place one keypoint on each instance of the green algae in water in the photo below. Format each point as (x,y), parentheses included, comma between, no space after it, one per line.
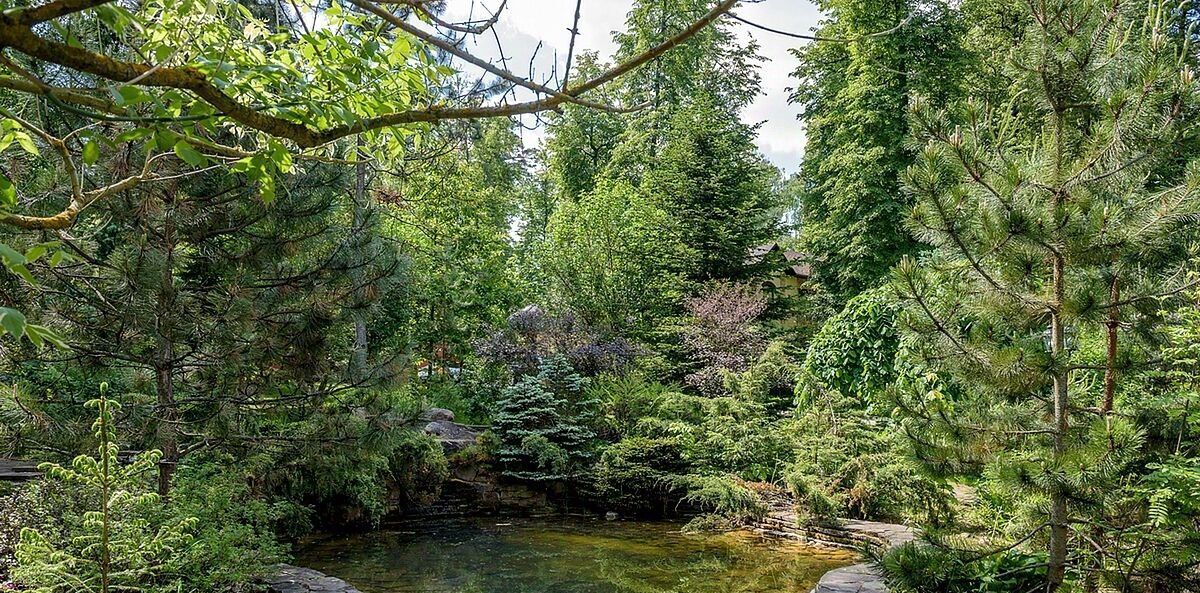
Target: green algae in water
(567,556)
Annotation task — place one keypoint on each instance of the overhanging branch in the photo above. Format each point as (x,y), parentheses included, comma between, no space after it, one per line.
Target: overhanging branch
(16,33)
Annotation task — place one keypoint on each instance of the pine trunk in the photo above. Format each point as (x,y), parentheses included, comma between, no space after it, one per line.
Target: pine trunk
(361,348)
(1058,498)
(1110,366)
(164,364)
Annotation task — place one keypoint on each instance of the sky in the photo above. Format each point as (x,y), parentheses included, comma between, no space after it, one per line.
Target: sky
(525,22)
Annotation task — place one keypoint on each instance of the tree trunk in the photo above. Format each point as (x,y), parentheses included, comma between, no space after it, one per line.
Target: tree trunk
(360,349)
(164,364)
(1110,366)
(1058,498)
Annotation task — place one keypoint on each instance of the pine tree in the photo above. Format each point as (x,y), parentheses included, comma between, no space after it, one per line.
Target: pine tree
(211,302)
(1054,217)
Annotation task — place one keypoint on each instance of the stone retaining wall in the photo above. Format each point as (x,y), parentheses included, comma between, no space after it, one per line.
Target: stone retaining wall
(781,521)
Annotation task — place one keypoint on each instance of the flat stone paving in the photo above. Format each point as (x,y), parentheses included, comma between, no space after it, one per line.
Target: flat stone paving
(296,579)
(859,578)
(864,578)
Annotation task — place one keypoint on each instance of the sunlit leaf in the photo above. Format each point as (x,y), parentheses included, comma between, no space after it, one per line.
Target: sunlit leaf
(189,155)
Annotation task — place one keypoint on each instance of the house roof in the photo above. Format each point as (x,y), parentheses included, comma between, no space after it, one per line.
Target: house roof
(800,264)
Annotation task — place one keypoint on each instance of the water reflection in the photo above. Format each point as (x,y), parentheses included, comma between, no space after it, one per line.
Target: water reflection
(567,556)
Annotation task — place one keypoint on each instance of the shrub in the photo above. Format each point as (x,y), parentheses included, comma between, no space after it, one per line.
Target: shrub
(639,475)
(624,401)
(344,462)
(925,567)
(232,542)
(531,336)
(854,353)
(49,505)
(850,463)
(769,381)
(234,538)
(721,335)
(723,496)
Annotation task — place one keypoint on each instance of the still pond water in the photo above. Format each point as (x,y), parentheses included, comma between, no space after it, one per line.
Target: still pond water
(567,556)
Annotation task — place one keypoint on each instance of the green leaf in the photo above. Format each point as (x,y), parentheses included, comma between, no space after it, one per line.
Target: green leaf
(266,188)
(40,333)
(131,135)
(36,251)
(91,152)
(10,256)
(8,194)
(131,95)
(242,165)
(165,139)
(12,321)
(189,155)
(23,272)
(27,143)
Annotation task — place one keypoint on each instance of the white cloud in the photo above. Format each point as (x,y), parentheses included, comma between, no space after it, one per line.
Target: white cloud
(525,22)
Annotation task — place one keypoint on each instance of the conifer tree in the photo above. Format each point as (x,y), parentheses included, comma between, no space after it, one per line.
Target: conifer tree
(718,189)
(122,545)
(1053,215)
(213,304)
(544,424)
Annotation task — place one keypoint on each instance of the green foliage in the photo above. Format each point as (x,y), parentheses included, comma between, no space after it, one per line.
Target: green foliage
(850,462)
(49,505)
(721,434)
(451,217)
(722,495)
(769,381)
(923,568)
(854,353)
(580,143)
(124,544)
(624,401)
(715,63)
(234,536)
(544,424)
(614,257)
(1173,491)
(854,98)
(1058,210)
(350,485)
(639,475)
(717,188)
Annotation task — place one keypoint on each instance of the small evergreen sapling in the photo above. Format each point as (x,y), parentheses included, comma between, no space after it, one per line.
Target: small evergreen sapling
(545,424)
(124,545)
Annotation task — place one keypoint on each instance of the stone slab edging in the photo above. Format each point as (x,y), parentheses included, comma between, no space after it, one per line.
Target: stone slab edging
(852,534)
(297,579)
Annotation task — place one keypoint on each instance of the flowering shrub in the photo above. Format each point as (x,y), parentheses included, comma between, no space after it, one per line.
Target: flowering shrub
(721,335)
(532,335)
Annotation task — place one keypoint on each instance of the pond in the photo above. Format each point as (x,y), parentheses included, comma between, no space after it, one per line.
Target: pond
(567,556)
